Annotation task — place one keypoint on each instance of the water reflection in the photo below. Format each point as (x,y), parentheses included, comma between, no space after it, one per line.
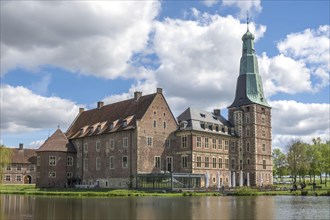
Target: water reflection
(263,207)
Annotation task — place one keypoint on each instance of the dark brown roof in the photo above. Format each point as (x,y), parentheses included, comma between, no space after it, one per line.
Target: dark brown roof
(23,155)
(99,120)
(58,142)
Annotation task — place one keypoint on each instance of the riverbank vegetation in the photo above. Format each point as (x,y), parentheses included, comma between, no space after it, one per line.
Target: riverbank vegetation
(30,189)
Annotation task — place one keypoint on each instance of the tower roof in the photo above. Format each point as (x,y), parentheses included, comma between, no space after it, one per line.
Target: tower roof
(249,88)
(58,142)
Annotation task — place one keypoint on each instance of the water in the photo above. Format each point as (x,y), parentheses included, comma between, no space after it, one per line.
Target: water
(225,207)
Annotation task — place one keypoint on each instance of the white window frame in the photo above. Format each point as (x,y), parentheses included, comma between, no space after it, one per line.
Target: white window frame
(18,167)
(18,178)
(184,141)
(125,142)
(207,162)
(69,175)
(124,166)
(198,161)
(214,162)
(7,178)
(184,161)
(112,143)
(111,162)
(157,162)
(198,141)
(98,163)
(149,141)
(52,161)
(69,161)
(85,165)
(52,174)
(214,143)
(220,162)
(85,147)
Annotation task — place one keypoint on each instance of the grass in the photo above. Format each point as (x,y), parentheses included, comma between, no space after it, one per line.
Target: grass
(240,191)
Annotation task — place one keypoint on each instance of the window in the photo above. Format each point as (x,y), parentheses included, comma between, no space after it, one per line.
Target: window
(247,119)
(98,146)
(31,167)
(227,163)
(263,119)
(18,178)
(69,175)
(264,164)
(248,161)
(232,164)
(199,161)
(241,164)
(18,167)
(125,142)
(85,164)
(248,146)
(164,125)
(202,124)
(211,127)
(206,142)
(213,179)
(110,126)
(247,132)
(184,141)
(52,174)
(9,167)
(207,162)
(220,163)
(124,123)
(85,147)
(149,141)
(157,162)
(263,146)
(232,146)
(164,114)
(226,144)
(111,162)
(202,115)
(98,163)
(263,132)
(7,178)
(214,162)
(184,161)
(214,143)
(112,144)
(125,162)
(52,160)
(168,143)
(220,144)
(169,164)
(38,160)
(155,124)
(199,141)
(69,161)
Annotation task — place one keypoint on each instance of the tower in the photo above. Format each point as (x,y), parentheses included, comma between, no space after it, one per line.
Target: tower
(251,116)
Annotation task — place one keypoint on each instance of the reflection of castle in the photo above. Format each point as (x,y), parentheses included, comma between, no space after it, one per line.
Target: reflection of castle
(112,144)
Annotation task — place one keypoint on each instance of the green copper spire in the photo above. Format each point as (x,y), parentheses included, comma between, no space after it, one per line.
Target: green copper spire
(249,85)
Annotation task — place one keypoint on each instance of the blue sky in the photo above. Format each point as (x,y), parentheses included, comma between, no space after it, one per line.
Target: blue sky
(59,56)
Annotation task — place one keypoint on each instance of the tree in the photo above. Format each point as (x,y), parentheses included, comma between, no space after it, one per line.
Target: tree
(279,163)
(5,157)
(325,160)
(297,158)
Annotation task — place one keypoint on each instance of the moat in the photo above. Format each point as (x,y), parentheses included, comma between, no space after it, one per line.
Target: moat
(224,207)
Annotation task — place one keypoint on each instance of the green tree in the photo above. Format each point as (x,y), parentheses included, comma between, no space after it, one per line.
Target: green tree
(279,163)
(297,158)
(314,157)
(324,149)
(5,157)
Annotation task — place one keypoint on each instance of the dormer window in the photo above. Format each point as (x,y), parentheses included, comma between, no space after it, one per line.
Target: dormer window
(203,125)
(223,129)
(110,126)
(202,115)
(124,123)
(98,129)
(81,132)
(217,128)
(91,130)
(210,127)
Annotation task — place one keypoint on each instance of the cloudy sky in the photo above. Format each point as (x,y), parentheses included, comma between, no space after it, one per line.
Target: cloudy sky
(57,56)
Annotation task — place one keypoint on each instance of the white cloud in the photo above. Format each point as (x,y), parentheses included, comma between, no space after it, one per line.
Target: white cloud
(25,111)
(210,3)
(253,6)
(99,38)
(296,120)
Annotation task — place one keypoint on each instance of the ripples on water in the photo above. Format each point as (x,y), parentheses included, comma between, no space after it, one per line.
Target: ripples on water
(224,207)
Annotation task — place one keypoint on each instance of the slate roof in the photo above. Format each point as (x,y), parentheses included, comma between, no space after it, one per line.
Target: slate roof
(121,116)
(199,120)
(58,142)
(22,156)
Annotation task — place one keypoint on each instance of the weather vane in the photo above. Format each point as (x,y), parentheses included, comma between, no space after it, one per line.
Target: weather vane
(247,20)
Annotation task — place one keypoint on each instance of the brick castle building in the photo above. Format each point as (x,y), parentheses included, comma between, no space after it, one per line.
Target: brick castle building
(111,145)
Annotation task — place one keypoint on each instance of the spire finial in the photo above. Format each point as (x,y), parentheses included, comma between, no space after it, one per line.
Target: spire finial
(247,20)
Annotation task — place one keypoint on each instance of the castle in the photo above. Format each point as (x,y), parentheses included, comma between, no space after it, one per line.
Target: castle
(113,144)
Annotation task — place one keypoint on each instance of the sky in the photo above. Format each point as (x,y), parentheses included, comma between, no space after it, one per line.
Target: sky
(58,56)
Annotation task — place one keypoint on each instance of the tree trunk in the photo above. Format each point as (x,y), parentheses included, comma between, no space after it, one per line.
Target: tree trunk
(325,181)
(321,178)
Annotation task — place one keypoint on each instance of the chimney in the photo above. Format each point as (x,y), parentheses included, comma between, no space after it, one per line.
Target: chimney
(159,90)
(20,146)
(100,104)
(137,95)
(217,112)
(81,110)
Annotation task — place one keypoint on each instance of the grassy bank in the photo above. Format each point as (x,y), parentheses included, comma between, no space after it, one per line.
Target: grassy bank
(243,191)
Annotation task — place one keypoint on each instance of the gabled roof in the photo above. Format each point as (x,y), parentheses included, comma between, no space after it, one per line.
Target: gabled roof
(121,116)
(199,120)
(23,155)
(58,142)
